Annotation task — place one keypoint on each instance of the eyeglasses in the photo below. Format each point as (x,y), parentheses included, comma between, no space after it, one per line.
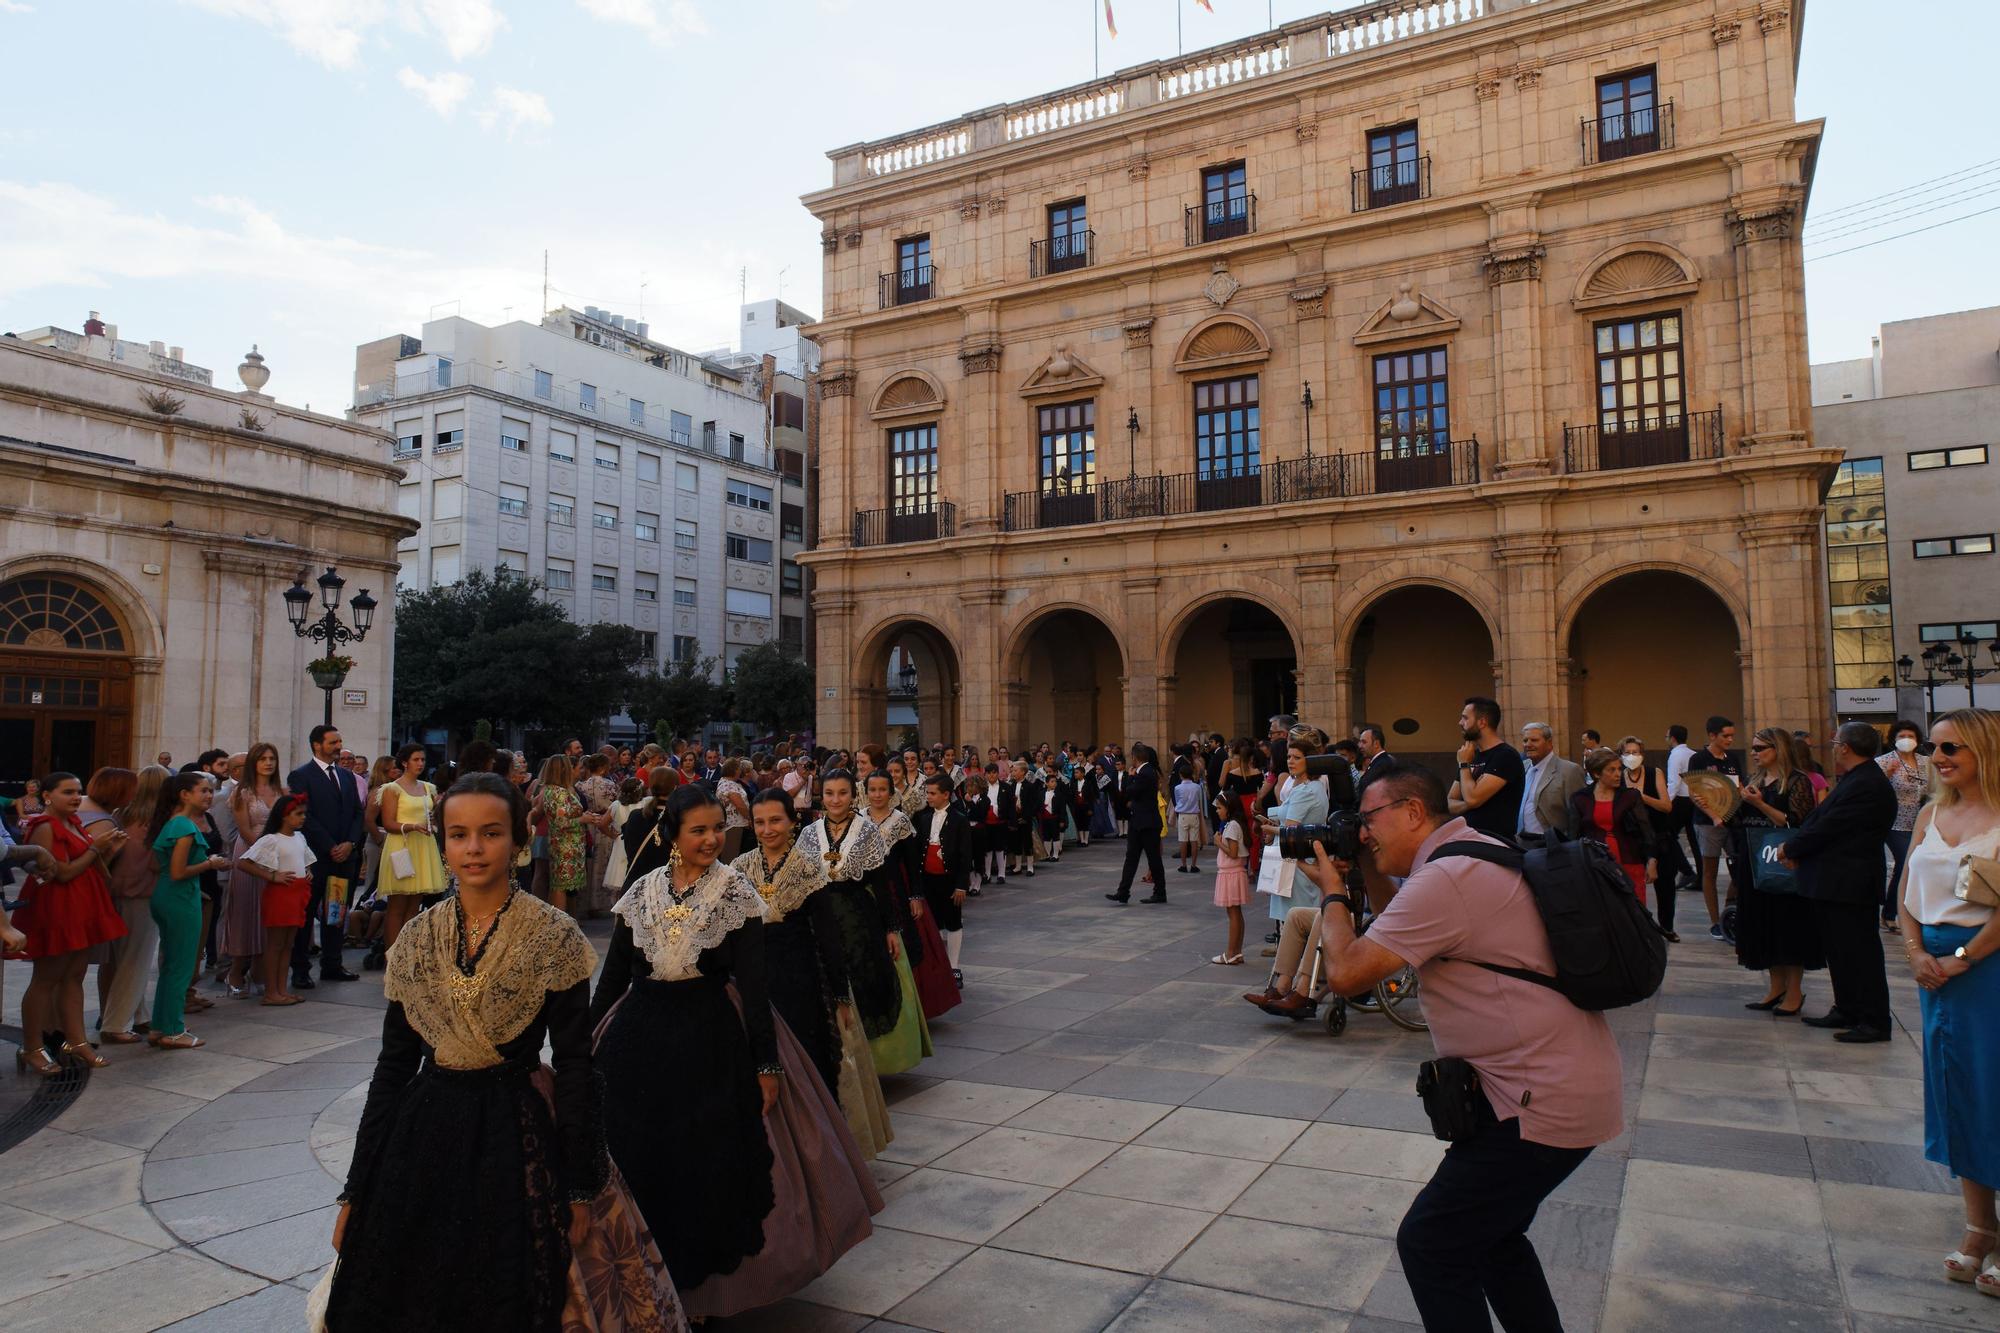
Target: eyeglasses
(1367,816)
(1951,749)
(1760,749)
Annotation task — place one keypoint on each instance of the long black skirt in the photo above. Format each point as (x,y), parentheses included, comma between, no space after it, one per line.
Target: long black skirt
(461,1224)
(684,1120)
(871,973)
(1772,929)
(798,992)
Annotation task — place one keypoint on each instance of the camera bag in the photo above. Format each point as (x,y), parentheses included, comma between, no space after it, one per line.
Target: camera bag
(1452,1099)
(1608,950)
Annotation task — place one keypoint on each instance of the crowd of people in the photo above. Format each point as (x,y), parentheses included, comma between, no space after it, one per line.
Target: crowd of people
(785,925)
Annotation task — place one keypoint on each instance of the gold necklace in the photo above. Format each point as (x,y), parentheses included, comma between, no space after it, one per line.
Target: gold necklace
(833,840)
(768,887)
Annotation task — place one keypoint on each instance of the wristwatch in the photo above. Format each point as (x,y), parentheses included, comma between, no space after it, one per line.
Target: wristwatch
(1345,900)
(1962,956)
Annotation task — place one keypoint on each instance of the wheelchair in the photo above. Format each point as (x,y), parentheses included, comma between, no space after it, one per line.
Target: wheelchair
(1395,997)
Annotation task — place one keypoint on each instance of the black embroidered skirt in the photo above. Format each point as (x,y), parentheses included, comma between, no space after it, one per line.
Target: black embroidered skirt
(797,988)
(878,991)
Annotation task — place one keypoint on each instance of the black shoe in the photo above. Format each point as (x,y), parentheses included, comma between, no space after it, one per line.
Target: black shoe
(1031,874)
(1862,1032)
(1771,1003)
(303,983)
(339,974)
(1120,898)
(374,962)
(958,978)
(1154,898)
(972,891)
(1271,938)
(1788,1013)
(1832,1018)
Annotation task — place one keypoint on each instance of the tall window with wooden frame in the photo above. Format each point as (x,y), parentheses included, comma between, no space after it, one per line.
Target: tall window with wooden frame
(1412,392)
(1067,437)
(913,482)
(1228,445)
(1628,114)
(1069,237)
(1392,165)
(913,269)
(1225,202)
(1641,391)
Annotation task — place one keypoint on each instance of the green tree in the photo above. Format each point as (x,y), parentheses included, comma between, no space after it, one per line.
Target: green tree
(680,699)
(773,689)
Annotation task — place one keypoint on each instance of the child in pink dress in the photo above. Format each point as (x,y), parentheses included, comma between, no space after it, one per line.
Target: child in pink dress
(1232,883)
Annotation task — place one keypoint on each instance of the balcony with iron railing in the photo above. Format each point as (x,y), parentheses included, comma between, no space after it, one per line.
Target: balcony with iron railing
(1220,219)
(1391,183)
(1060,254)
(1647,441)
(1409,466)
(898,524)
(1628,133)
(908,285)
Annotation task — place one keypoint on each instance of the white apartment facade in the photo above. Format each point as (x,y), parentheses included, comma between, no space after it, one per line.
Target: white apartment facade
(632,478)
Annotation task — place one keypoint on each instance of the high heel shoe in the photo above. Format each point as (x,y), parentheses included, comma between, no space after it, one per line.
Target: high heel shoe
(1962,1267)
(1793,1012)
(80,1052)
(1765,1005)
(38,1060)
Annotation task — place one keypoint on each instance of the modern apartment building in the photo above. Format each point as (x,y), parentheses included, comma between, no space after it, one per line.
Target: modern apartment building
(1457,347)
(1913,516)
(635,480)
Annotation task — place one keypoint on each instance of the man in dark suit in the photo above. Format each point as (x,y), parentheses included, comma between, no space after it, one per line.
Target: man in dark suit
(333,831)
(1374,743)
(944,868)
(1837,854)
(1142,800)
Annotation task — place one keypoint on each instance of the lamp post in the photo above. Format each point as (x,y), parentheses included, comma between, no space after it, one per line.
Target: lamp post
(328,628)
(1132,442)
(1942,666)
(1307,403)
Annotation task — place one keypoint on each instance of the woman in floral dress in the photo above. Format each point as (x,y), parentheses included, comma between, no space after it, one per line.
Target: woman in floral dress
(568,871)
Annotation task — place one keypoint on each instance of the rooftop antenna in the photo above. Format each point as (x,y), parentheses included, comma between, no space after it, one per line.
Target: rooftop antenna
(781,282)
(642,298)
(743,285)
(545,282)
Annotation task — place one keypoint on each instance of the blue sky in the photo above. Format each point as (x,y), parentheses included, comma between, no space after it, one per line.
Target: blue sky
(310,174)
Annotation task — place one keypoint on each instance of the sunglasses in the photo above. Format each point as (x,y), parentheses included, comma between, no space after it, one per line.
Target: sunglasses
(1760,749)
(1952,749)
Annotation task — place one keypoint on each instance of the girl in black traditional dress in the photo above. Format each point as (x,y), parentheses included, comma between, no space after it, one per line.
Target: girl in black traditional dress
(808,973)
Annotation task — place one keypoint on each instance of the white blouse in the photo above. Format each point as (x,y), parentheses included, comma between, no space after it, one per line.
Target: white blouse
(1933,878)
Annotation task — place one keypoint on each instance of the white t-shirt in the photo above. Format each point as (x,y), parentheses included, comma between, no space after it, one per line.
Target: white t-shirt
(284,853)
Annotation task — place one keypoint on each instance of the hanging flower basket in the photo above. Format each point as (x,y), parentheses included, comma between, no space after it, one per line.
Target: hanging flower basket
(330,673)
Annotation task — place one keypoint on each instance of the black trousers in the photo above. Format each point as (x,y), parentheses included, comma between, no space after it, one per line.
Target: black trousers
(1673,865)
(1852,936)
(1146,842)
(331,938)
(1464,1242)
(937,892)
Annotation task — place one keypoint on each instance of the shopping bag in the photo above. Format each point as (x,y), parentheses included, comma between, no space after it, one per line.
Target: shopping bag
(1274,873)
(1767,873)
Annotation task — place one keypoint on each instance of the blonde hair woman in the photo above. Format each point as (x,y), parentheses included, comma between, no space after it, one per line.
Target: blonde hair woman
(1775,932)
(1951,931)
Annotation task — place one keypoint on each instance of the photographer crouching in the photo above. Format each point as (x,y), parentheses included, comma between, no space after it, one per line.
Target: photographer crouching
(1526,1083)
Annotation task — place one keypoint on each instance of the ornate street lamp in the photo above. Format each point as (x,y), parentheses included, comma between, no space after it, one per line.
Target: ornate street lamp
(1132,441)
(1307,403)
(330,671)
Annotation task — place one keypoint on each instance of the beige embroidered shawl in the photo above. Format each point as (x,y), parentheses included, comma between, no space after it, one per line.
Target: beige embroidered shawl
(672,934)
(797,879)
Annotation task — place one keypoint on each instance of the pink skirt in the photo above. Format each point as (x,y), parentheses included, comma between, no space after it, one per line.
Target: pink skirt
(1232,886)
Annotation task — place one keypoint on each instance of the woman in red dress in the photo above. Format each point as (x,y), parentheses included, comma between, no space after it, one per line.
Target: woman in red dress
(1611,813)
(64,916)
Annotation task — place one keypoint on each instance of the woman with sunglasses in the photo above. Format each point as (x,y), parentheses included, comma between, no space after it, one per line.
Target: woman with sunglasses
(1951,931)
(1775,932)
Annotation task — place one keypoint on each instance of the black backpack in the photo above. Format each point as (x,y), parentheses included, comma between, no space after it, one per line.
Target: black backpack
(1609,952)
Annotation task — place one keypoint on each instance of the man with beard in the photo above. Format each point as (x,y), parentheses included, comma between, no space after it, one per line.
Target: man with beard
(1491,775)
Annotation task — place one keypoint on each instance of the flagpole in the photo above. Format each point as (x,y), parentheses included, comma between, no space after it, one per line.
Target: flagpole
(1096,72)
(1180,47)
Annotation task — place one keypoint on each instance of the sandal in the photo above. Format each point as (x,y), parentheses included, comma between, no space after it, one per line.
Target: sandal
(180,1041)
(1228,960)
(1962,1267)
(124,1038)
(279,1001)
(80,1052)
(37,1061)
(1988,1281)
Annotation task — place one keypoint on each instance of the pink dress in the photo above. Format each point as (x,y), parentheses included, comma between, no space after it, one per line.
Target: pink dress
(1232,882)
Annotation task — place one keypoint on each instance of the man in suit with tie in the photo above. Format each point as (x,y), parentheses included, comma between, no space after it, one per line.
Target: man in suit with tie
(1142,801)
(333,831)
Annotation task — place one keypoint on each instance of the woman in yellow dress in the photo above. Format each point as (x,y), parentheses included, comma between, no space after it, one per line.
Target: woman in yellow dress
(408,844)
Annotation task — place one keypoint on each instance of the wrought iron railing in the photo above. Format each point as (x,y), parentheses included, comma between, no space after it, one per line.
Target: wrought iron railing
(1629,133)
(890,527)
(1060,254)
(1652,440)
(905,285)
(1392,183)
(1421,466)
(1221,219)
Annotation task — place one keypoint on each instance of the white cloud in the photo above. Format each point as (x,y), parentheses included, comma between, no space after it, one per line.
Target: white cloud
(466,26)
(441,92)
(330,31)
(662,20)
(15,7)
(516,109)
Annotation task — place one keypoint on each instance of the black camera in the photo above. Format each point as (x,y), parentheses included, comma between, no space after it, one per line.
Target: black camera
(1339,775)
(1340,835)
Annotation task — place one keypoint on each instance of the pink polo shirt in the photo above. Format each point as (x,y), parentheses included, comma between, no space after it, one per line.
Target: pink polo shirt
(1539,1057)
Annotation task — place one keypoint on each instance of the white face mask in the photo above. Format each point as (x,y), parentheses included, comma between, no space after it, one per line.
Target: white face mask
(1632,761)
(1906,744)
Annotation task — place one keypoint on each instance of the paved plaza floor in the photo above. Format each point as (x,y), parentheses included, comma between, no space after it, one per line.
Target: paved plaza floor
(1107,1138)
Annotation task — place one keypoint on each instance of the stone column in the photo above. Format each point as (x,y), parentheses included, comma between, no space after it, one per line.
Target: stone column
(1114,451)
(1011,715)
(1527,645)
(1785,674)
(1770,308)
(1143,665)
(833,627)
(836,451)
(1514,276)
(1343,708)
(1320,659)
(979,447)
(983,709)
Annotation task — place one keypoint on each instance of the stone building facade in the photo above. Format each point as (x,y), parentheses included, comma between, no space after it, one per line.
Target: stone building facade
(149,527)
(1538,265)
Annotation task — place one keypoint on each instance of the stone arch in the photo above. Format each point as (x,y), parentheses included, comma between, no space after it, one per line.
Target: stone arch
(143,634)
(73,639)
(1417,648)
(1648,645)
(909,392)
(1229,660)
(1713,571)
(1066,661)
(932,649)
(1220,341)
(1243,587)
(1473,587)
(1634,272)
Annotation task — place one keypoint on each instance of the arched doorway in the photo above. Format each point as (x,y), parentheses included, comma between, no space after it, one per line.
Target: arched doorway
(1069,665)
(65,680)
(1418,653)
(915,702)
(1235,667)
(1652,648)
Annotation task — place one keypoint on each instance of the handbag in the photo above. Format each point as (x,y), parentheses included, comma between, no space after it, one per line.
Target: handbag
(401,864)
(1274,873)
(1452,1097)
(1978,881)
(1767,873)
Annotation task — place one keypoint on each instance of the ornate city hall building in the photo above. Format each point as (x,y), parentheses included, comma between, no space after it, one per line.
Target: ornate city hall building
(1383,359)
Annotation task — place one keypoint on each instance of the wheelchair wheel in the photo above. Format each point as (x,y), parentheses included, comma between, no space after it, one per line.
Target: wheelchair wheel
(1396,997)
(1336,1016)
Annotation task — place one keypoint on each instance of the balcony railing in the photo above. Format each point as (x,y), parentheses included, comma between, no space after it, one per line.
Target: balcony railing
(1629,133)
(1221,219)
(1653,440)
(1060,254)
(1290,481)
(908,284)
(1392,183)
(891,527)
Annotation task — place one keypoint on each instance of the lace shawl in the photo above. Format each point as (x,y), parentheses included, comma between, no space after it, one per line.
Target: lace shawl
(788,890)
(860,851)
(536,950)
(895,828)
(912,799)
(673,934)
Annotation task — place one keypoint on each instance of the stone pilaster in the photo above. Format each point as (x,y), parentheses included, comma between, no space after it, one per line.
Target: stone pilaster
(1770,304)
(1514,277)
(979,493)
(1529,688)
(1320,658)
(837,440)
(1784,679)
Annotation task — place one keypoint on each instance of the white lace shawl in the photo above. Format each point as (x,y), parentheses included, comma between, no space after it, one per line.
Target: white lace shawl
(895,828)
(797,880)
(860,851)
(911,798)
(672,934)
